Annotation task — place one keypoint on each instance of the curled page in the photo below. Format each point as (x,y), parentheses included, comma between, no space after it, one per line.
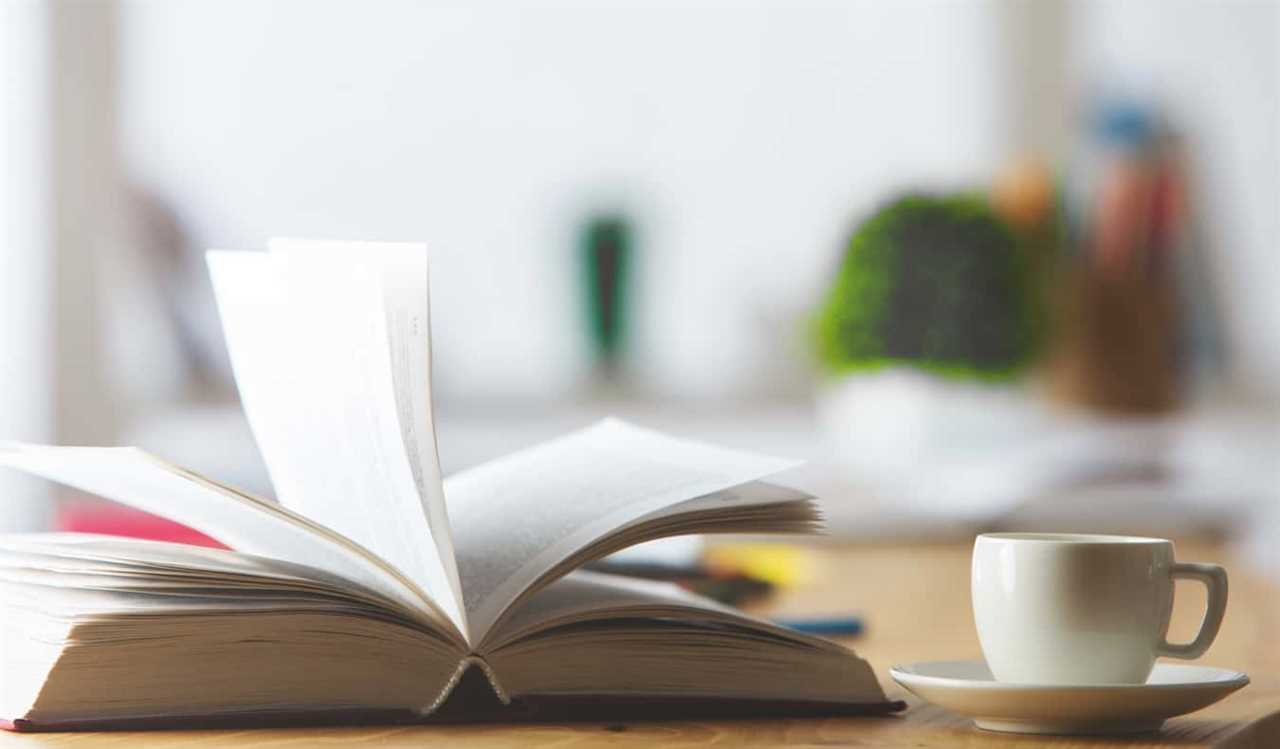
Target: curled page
(241,521)
(518,517)
(329,344)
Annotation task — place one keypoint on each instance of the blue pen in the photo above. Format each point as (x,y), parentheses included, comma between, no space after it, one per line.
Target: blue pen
(826,626)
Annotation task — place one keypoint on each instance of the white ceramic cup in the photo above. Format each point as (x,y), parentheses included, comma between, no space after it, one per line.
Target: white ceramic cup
(1063,608)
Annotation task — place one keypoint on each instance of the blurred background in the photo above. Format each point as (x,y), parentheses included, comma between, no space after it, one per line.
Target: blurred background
(984,264)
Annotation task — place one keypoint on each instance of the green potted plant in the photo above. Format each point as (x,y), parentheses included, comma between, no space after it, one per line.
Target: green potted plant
(932,317)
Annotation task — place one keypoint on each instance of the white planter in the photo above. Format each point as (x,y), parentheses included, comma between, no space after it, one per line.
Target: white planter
(888,427)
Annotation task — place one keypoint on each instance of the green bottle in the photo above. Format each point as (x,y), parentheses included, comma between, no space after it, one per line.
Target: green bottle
(605,251)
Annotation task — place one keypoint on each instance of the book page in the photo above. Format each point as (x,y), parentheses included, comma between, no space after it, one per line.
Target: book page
(82,560)
(241,521)
(517,517)
(598,635)
(406,293)
(75,552)
(583,594)
(329,343)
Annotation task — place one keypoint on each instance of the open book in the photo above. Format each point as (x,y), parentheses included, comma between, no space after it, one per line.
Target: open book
(374,585)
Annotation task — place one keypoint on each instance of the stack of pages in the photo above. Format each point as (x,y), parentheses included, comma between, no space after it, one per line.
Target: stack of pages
(373,585)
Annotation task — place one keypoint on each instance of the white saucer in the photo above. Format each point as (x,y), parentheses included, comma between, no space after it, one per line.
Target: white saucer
(967,688)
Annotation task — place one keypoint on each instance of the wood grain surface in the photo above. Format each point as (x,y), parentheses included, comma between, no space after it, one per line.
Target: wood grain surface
(916,602)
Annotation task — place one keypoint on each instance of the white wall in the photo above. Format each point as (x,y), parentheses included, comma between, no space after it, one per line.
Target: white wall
(26,243)
(745,136)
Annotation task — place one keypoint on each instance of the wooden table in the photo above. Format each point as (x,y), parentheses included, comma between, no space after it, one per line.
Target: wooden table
(916,599)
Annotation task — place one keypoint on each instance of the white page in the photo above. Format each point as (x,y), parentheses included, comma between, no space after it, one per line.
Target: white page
(326,342)
(582,594)
(592,596)
(518,516)
(91,551)
(406,292)
(245,523)
(752,494)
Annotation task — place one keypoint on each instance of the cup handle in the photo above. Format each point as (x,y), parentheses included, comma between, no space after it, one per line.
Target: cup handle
(1215,581)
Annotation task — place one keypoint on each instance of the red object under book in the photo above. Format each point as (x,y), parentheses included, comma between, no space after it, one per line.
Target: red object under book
(113,520)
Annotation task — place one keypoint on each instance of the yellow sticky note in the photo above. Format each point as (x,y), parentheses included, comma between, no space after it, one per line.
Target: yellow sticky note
(780,564)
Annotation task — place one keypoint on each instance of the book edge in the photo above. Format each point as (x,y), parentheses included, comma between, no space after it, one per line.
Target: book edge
(529,710)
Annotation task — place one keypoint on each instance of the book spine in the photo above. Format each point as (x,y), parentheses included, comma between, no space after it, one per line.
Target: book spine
(463,666)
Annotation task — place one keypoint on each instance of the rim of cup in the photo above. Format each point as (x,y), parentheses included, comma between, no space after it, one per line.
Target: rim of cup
(1083,539)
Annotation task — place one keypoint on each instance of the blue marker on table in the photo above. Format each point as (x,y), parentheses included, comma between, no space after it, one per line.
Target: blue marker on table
(824,626)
